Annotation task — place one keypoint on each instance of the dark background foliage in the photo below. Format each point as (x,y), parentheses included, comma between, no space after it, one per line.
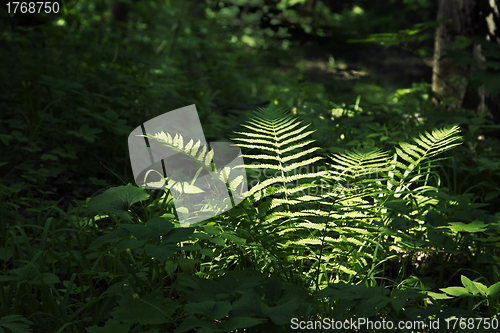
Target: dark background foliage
(73,87)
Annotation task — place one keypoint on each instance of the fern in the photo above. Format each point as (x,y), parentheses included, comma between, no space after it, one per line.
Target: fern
(428,146)
(206,206)
(372,182)
(372,171)
(277,136)
(203,157)
(282,200)
(341,229)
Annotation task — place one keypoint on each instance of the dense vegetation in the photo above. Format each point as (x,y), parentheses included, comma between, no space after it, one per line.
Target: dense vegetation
(367,198)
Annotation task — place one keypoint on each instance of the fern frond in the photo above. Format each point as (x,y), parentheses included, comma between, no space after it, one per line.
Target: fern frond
(192,182)
(340,225)
(283,180)
(203,157)
(282,159)
(285,186)
(428,146)
(360,163)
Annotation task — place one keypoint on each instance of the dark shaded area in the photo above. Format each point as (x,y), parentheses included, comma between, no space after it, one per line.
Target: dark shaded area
(82,243)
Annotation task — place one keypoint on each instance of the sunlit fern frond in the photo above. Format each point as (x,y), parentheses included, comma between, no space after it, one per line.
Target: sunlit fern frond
(192,149)
(282,143)
(354,180)
(362,184)
(370,172)
(202,156)
(366,185)
(359,163)
(410,170)
(342,225)
(283,197)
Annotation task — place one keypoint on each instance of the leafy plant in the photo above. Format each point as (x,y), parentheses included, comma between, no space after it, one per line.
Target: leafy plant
(310,241)
(14,323)
(370,223)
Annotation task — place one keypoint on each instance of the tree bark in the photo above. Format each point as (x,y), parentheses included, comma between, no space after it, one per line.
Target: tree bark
(490,27)
(450,80)
(118,10)
(470,18)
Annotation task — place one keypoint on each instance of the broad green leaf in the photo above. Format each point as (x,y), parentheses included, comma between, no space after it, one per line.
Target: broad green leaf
(170,267)
(177,235)
(46,278)
(273,288)
(160,226)
(139,231)
(151,309)
(212,309)
(15,324)
(114,236)
(233,238)
(234,323)
(7,278)
(456,291)
(472,286)
(493,289)
(207,252)
(6,253)
(5,138)
(474,226)
(191,247)
(218,241)
(481,287)
(117,201)
(345,291)
(86,133)
(438,296)
(188,265)
(220,310)
(212,230)
(130,243)
(281,314)
(160,253)
(191,323)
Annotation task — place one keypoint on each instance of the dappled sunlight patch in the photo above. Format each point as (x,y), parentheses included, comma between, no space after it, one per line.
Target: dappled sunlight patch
(339,71)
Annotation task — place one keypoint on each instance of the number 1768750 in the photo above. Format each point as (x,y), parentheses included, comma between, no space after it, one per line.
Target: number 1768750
(32,7)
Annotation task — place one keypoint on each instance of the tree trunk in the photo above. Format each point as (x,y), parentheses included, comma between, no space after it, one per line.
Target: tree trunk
(450,80)
(470,18)
(490,27)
